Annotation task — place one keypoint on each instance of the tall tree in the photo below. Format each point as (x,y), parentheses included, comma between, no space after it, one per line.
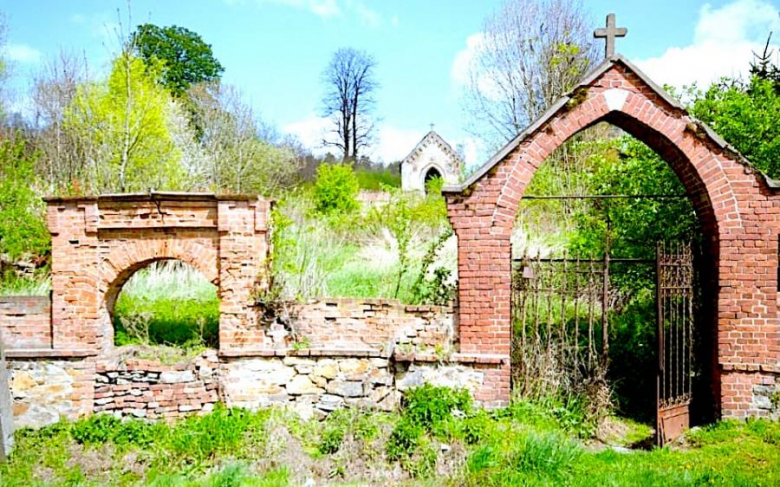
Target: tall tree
(123,125)
(187,59)
(530,53)
(350,85)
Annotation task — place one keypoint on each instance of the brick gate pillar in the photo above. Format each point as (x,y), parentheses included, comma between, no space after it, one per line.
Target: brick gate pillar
(484,292)
(243,253)
(76,310)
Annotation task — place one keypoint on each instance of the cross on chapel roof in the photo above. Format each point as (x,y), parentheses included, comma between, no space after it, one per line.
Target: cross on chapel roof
(609,33)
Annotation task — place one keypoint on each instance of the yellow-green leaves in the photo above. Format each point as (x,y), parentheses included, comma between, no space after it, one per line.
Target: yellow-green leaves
(123,124)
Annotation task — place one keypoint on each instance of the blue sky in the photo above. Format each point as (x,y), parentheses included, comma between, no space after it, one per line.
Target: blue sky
(275,50)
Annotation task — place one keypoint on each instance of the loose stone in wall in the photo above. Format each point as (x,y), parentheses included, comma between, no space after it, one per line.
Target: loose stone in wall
(311,385)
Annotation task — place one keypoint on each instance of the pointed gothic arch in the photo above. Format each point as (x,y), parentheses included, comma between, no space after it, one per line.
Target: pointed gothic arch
(735,204)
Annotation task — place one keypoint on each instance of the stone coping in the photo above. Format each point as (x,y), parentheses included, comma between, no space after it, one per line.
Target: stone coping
(775,369)
(379,302)
(50,353)
(312,352)
(153,196)
(457,358)
(25,298)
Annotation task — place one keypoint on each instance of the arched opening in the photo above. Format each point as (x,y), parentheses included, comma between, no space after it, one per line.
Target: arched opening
(164,302)
(432,180)
(584,287)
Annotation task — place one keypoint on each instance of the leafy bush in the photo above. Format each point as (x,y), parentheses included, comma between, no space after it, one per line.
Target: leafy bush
(404,439)
(425,408)
(22,227)
(95,430)
(429,405)
(336,189)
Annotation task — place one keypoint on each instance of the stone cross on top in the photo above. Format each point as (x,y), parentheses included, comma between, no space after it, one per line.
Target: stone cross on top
(609,33)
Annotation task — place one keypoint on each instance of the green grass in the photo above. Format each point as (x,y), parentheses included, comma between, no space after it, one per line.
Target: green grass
(525,444)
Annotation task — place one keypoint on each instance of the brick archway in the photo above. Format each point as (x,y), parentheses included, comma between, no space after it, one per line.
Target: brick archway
(734,203)
(124,261)
(99,242)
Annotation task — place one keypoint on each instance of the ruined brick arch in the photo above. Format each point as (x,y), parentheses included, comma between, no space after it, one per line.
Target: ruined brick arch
(98,242)
(734,203)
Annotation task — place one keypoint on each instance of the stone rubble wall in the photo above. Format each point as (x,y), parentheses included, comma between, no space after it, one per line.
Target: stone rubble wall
(146,389)
(25,322)
(45,390)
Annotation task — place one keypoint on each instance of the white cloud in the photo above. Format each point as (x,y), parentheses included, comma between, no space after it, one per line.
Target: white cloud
(724,42)
(310,131)
(22,53)
(326,8)
(393,144)
(461,65)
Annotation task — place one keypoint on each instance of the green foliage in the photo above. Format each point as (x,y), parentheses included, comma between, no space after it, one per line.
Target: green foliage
(187,58)
(377,180)
(429,405)
(426,408)
(96,429)
(745,115)
(22,228)
(336,189)
(404,439)
(522,445)
(123,124)
(434,287)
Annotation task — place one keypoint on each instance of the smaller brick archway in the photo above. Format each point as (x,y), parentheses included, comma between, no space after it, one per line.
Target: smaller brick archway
(736,205)
(98,243)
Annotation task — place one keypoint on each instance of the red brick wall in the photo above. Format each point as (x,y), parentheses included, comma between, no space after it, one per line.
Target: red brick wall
(25,322)
(99,242)
(739,215)
(379,324)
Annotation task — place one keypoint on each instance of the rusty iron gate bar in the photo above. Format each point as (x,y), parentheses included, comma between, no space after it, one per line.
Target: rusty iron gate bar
(561,306)
(674,301)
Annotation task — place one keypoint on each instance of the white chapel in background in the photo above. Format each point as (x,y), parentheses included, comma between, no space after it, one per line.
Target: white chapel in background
(431,157)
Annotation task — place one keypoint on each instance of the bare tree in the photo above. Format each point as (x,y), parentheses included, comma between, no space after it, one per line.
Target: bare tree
(55,87)
(349,101)
(530,53)
(238,156)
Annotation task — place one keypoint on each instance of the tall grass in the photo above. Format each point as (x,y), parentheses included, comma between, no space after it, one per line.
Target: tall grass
(167,303)
(349,255)
(13,285)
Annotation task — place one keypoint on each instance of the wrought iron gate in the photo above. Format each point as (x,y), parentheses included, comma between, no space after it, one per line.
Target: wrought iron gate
(561,309)
(675,298)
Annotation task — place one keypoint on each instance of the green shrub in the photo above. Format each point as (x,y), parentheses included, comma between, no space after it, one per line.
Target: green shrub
(429,405)
(425,409)
(331,440)
(22,227)
(95,430)
(404,439)
(336,189)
